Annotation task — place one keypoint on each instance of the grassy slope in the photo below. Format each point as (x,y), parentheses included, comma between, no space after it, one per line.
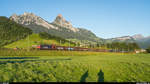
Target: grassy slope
(34,39)
(72,66)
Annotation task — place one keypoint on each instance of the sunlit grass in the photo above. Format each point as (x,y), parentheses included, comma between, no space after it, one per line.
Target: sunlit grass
(70,66)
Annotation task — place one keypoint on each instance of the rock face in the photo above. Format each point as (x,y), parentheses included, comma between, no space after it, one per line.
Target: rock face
(63,23)
(138,36)
(124,38)
(29,19)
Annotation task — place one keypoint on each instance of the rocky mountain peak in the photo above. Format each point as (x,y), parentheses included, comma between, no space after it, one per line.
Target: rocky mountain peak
(138,36)
(30,19)
(29,14)
(124,38)
(133,38)
(148,37)
(59,15)
(61,21)
(14,15)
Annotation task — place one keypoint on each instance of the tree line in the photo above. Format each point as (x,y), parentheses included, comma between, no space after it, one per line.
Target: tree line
(45,35)
(122,46)
(148,49)
(116,46)
(10,31)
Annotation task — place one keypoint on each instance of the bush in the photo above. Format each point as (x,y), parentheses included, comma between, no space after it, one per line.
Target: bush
(148,50)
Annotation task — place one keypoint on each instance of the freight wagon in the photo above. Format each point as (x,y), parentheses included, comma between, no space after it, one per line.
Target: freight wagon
(66,48)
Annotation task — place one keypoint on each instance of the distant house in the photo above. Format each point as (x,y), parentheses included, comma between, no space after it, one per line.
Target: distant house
(140,51)
(34,46)
(15,48)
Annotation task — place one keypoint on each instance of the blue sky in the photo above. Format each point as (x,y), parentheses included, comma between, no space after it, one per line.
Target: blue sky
(106,18)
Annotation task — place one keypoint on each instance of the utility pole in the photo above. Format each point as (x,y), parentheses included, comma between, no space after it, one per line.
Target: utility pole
(128,47)
(76,44)
(60,42)
(28,43)
(69,44)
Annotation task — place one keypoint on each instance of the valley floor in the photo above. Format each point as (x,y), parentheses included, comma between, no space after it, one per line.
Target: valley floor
(63,66)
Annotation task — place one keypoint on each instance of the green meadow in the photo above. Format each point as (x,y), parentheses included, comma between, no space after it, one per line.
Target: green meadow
(73,66)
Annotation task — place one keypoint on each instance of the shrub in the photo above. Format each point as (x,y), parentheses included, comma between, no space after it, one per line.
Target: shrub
(148,50)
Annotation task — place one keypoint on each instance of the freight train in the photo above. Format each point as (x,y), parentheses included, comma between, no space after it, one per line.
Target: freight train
(66,48)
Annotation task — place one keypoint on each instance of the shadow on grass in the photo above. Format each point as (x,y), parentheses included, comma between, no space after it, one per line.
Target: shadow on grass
(100,76)
(84,76)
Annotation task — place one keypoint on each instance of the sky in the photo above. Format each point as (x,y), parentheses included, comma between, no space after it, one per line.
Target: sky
(105,18)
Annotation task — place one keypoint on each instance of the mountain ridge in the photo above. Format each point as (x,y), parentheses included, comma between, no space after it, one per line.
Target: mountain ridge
(143,42)
(30,18)
(59,27)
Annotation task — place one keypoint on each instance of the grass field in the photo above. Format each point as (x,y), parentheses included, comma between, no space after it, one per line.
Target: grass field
(71,66)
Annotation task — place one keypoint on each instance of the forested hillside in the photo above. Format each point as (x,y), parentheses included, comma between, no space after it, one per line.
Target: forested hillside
(10,31)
